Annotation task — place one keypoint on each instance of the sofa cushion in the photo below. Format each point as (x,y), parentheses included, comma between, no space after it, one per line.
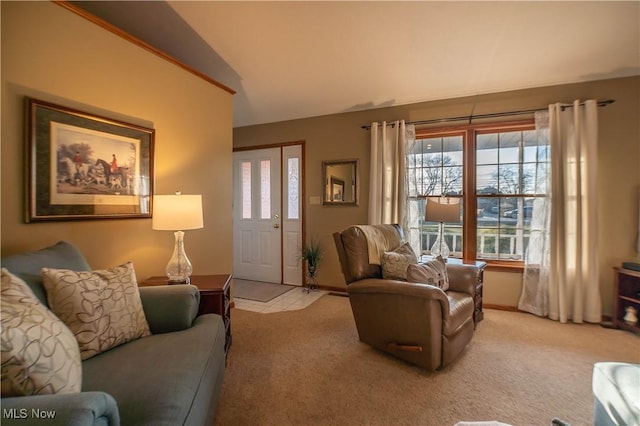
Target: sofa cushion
(39,353)
(166,379)
(432,272)
(395,263)
(27,266)
(102,308)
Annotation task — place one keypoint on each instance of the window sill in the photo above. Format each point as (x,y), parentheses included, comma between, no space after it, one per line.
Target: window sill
(502,266)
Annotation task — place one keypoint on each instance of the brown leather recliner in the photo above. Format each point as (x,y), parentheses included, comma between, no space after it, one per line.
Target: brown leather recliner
(418,323)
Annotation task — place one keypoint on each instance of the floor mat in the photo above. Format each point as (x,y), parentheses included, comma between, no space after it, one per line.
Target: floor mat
(258,291)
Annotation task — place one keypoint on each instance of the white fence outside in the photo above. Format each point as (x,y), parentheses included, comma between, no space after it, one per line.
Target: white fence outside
(509,247)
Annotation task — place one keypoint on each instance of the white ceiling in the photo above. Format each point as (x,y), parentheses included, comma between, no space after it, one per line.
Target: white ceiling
(289,60)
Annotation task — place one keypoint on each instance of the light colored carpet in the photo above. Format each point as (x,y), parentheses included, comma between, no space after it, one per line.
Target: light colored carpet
(308,367)
(258,291)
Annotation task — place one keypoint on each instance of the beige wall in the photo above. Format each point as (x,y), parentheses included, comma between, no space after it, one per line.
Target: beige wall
(339,136)
(52,54)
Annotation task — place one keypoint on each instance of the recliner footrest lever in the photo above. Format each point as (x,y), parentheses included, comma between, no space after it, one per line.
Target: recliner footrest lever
(408,348)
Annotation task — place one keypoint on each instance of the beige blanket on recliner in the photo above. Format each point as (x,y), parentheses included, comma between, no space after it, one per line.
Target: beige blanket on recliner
(380,238)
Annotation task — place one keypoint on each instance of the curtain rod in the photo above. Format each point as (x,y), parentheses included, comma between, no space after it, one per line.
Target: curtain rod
(492,115)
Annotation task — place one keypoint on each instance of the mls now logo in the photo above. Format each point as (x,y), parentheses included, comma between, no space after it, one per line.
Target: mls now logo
(15,413)
(23,413)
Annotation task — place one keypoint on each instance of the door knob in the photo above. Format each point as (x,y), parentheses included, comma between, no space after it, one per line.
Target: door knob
(276,225)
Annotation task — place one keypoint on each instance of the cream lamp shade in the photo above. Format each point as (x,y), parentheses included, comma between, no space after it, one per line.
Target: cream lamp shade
(177,212)
(442,209)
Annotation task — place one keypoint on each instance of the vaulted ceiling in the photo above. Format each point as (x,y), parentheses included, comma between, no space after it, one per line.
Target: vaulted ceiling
(289,60)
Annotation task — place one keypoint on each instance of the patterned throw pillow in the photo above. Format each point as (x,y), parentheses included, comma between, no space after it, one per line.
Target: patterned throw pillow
(39,353)
(102,308)
(433,272)
(395,263)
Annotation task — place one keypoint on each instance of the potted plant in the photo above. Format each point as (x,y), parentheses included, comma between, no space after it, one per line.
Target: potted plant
(311,254)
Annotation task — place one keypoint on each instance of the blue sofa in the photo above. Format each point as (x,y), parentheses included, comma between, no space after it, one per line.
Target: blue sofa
(172,377)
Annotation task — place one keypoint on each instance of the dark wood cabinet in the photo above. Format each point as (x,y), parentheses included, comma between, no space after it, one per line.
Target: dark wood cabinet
(215,297)
(626,295)
(478,315)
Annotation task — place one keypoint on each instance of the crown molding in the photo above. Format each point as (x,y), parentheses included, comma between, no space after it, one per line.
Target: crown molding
(117,31)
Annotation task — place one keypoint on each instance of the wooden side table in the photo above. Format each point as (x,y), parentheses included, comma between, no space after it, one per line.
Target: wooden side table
(215,297)
(626,294)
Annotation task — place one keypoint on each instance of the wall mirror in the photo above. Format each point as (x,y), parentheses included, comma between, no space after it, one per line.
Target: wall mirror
(340,182)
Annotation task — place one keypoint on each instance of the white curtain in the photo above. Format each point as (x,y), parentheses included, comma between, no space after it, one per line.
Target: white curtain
(387,177)
(535,286)
(561,278)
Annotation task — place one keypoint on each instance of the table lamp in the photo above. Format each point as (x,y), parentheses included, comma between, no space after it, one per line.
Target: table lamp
(442,209)
(177,213)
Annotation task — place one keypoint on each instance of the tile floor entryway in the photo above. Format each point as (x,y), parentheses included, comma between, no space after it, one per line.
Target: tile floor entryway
(294,299)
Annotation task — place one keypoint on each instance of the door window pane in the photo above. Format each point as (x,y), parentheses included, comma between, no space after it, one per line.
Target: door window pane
(265,189)
(245,168)
(293,188)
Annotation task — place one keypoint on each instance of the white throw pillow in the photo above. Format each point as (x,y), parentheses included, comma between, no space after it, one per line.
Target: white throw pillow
(39,353)
(395,263)
(433,272)
(102,308)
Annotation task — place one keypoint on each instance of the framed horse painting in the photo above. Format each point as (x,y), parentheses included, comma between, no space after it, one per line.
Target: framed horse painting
(84,166)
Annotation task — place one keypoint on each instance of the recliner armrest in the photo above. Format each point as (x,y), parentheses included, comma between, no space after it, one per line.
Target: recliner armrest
(463,278)
(394,287)
(170,307)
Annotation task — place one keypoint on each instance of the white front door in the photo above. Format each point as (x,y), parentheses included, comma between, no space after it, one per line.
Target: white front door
(257,222)
(267,214)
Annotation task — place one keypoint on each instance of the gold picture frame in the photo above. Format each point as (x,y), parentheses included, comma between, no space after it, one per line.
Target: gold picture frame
(82,166)
(340,183)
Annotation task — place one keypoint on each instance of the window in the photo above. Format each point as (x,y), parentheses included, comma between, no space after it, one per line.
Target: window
(498,171)
(435,167)
(245,167)
(508,165)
